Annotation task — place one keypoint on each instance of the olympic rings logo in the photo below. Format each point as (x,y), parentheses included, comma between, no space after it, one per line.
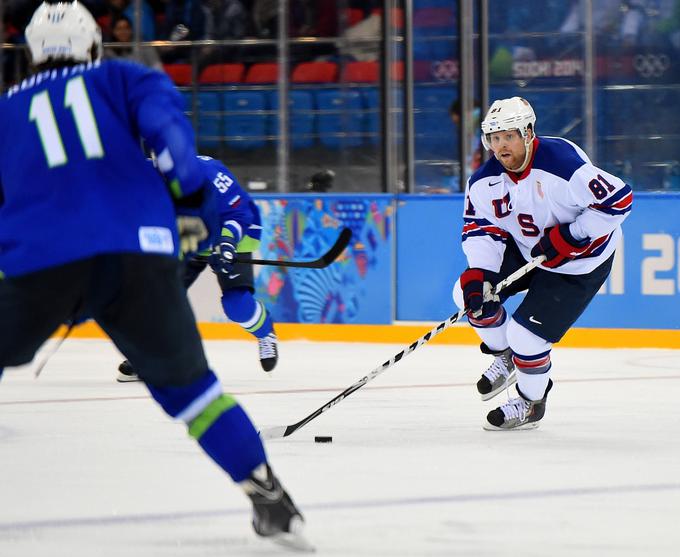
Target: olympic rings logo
(651,65)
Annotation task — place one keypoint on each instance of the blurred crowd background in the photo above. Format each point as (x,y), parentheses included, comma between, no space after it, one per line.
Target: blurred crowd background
(339,68)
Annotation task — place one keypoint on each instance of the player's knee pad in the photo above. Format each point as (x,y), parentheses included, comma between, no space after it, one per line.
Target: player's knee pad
(239,304)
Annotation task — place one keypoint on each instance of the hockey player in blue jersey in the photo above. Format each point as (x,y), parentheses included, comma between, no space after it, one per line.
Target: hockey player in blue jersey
(536,196)
(239,230)
(88,227)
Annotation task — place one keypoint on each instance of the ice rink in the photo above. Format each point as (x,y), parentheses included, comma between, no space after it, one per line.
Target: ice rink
(91,467)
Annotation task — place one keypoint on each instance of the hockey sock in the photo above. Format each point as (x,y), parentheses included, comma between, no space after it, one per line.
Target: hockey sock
(532,360)
(241,307)
(533,373)
(217,422)
(494,334)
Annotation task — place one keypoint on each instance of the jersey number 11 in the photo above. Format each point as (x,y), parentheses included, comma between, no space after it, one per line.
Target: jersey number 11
(42,113)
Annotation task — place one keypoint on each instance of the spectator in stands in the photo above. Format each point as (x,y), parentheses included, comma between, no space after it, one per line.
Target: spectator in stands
(670,23)
(308,18)
(224,20)
(184,20)
(631,25)
(121,32)
(356,48)
(127,8)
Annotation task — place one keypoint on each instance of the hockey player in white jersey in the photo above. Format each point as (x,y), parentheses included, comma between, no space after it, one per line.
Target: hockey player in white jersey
(535,196)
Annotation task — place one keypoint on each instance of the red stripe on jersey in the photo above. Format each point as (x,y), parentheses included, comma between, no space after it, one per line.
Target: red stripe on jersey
(595,244)
(623,203)
(472,226)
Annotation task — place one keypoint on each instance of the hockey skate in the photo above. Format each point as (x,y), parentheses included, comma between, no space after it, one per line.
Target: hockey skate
(269,352)
(275,516)
(518,413)
(126,373)
(499,376)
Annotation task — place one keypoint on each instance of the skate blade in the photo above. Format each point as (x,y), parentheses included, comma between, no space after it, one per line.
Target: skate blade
(295,539)
(509,383)
(122,378)
(490,427)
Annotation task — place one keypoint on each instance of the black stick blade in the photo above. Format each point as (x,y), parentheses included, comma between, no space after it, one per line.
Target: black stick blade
(336,249)
(324,261)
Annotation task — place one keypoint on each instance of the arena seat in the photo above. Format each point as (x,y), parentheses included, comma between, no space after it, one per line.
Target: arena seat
(263,72)
(361,72)
(301,117)
(433,127)
(353,16)
(369,72)
(340,119)
(208,107)
(373,103)
(222,73)
(180,74)
(315,72)
(245,123)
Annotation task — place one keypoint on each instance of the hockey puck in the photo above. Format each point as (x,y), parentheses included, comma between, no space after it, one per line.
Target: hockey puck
(323,439)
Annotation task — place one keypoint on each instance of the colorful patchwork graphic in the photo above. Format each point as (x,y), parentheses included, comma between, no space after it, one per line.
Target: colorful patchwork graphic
(356,288)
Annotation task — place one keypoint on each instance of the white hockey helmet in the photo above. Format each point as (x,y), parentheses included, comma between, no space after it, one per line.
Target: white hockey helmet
(508,114)
(65,30)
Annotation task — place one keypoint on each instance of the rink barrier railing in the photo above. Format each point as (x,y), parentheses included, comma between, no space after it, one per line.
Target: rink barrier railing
(407,333)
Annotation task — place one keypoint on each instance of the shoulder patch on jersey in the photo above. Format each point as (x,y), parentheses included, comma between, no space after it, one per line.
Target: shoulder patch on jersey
(558,157)
(490,168)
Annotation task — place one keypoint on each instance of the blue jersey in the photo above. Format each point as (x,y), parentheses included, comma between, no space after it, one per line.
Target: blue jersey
(74,180)
(231,211)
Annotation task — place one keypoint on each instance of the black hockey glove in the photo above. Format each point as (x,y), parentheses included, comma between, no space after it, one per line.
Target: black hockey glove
(559,246)
(478,284)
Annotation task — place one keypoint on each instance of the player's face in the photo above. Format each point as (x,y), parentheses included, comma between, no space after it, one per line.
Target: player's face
(509,148)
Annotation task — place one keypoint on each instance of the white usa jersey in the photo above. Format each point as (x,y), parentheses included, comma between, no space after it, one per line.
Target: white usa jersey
(560,185)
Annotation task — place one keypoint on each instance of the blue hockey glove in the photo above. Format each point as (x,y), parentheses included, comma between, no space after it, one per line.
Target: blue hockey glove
(223,256)
(477,285)
(559,246)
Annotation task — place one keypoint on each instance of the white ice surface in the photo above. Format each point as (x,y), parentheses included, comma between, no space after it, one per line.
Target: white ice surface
(91,467)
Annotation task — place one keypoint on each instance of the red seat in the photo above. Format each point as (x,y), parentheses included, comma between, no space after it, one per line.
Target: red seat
(369,72)
(179,73)
(361,72)
(315,72)
(354,16)
(222,73)
(264,72)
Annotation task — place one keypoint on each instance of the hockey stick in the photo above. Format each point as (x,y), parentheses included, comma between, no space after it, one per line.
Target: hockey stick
(285,431)
(53,349)
(324,261)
